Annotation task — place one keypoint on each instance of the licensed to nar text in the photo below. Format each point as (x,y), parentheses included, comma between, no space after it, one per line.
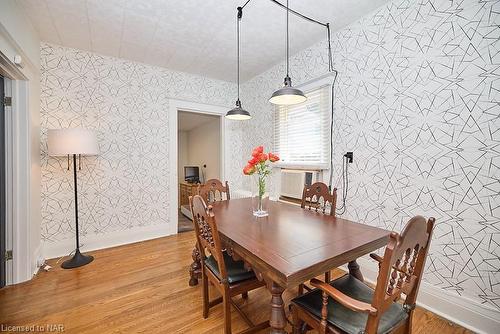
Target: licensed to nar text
(47,328)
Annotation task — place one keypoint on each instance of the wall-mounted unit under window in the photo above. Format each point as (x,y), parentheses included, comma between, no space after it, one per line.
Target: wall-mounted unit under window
(293,182)
(302,131)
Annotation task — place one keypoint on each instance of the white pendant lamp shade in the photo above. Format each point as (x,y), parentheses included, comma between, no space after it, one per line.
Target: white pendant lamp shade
(72,141)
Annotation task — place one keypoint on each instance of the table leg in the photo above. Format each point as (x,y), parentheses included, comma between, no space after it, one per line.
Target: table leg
(278,318)
(195,267)
(353,267)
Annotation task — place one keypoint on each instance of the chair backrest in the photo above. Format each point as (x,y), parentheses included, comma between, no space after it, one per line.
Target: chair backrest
(317,197)
(213,190)
(206,231)
(403,264)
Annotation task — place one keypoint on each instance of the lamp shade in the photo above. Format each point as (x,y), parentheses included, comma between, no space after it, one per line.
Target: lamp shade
(238,113)
(72,141)
(287,96)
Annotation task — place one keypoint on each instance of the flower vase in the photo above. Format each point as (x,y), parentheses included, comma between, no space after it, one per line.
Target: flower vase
(260,198)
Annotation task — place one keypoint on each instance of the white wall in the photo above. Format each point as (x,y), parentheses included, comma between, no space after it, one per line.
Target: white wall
(201,146)
(124,191)
(417,102)
(204,148)
(17,37)
(183,153)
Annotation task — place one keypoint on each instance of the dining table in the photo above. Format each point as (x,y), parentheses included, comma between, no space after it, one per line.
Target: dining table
(290,246)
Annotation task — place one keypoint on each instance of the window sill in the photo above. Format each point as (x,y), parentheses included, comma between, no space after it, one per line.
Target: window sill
(301,167)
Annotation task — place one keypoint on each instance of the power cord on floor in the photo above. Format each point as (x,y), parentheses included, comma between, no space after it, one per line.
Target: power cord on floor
(69,255)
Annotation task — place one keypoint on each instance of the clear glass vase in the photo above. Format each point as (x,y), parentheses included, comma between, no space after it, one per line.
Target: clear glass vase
(260,197)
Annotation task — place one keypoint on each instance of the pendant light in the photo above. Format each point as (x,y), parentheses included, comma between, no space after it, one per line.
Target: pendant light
(287,95)
(238,113)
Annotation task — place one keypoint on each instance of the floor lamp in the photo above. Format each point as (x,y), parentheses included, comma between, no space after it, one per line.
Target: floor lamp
(66,142)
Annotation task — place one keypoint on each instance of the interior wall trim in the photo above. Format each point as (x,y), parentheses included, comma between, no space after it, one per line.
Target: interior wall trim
(463,311)
(93,242)
(174,107)
(18,170)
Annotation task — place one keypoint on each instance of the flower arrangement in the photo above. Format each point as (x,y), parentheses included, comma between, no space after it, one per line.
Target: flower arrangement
(259,165)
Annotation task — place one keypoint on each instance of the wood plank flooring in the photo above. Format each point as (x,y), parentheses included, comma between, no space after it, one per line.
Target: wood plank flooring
(185,224)
(139,288)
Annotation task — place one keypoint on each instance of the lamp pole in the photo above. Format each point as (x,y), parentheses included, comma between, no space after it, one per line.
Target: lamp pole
(78,259)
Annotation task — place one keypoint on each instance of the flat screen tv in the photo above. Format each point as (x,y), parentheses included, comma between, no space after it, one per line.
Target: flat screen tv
(192,174)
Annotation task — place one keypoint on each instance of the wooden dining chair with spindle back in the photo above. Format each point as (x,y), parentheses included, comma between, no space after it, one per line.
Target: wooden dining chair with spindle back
(213,190)
(230,277)
(317,197)
(347,305)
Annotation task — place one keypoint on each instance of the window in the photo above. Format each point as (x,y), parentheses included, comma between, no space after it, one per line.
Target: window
(302,131)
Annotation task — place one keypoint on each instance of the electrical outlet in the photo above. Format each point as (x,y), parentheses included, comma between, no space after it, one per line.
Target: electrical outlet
(349,156)
(40,262)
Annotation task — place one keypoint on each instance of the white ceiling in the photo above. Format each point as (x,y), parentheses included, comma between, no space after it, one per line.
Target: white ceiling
(187,121)
(195,36)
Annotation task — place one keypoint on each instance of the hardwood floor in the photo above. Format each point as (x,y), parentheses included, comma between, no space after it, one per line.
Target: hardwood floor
(185,224)
(140,288)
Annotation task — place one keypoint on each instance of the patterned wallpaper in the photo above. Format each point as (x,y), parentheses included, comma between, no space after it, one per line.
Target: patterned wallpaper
(126,185)
(418,102)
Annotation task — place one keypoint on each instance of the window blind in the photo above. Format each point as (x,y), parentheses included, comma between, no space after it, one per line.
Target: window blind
(302,131)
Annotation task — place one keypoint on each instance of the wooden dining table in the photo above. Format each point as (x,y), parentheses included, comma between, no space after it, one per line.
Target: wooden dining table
(292,245)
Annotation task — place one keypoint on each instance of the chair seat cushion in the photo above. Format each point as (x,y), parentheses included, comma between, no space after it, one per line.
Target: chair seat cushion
(235,270)
(347,320)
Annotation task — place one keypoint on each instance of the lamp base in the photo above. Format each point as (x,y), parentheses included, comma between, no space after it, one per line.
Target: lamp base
(78,260)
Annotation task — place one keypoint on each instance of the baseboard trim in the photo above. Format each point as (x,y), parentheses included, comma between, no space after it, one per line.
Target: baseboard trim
(35,261)
(463,311)
(101,241)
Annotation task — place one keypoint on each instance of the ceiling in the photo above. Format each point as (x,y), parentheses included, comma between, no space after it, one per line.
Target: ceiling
(194,36)
(189,120)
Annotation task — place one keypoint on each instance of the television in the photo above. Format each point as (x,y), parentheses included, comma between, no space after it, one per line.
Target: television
(192,174)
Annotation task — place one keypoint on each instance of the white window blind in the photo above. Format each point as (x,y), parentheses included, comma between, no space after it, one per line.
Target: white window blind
(302,131)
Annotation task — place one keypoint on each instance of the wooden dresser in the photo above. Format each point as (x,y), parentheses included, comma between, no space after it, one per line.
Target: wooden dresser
(186,190)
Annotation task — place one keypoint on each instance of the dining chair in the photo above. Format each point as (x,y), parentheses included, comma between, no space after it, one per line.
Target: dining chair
(213,190)
(347,305)
(229,276)
(316,197)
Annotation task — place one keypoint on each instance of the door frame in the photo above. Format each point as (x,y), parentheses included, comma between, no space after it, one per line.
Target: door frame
(174,107)
(18,169)
(3,186)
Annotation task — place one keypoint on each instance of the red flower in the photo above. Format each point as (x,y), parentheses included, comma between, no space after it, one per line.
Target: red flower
(262,157)
(249,170)
(257,151)
(273,157)
(253,161)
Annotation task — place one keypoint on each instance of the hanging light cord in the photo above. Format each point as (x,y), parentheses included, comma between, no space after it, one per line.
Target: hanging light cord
(246,3)
(345,179)
(287,42)
(330,179)
(297,13)
(238,19)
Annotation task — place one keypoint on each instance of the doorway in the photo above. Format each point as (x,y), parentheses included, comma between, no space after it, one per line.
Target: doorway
(198,158)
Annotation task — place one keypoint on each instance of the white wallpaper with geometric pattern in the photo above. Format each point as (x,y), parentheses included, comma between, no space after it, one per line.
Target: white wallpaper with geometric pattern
(126,185)
(418,102)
